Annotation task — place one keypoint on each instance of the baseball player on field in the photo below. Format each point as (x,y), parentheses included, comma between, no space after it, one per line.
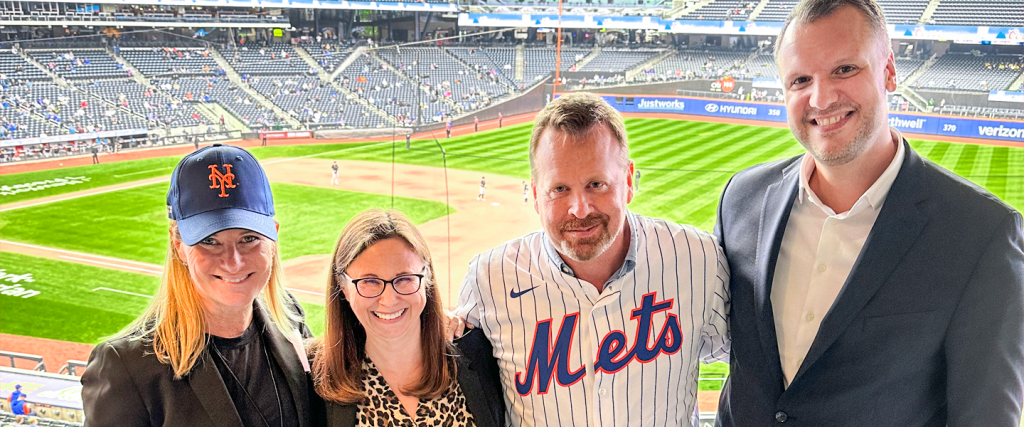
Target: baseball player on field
(601,317)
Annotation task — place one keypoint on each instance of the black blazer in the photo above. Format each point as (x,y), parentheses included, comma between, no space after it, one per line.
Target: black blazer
(125,385)
(478,377)
(927,331)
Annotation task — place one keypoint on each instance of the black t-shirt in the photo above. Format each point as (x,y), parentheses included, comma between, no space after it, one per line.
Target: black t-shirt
(249,364)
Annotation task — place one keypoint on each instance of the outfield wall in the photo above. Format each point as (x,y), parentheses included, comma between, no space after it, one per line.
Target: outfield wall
(930,124)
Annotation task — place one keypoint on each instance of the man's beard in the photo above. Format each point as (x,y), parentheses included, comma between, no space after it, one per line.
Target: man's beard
(588,248)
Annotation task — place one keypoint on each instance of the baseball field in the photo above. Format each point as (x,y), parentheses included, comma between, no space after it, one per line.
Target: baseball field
(82,247)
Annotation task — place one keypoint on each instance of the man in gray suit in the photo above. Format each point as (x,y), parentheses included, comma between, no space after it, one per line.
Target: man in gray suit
(870,287)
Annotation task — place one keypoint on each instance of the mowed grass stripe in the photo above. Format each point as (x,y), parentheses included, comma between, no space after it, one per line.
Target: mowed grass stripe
(132,224)
(68,308)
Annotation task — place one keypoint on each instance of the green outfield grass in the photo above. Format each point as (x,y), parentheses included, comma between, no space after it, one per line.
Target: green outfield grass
(70,305)
(684,167)
(132,223)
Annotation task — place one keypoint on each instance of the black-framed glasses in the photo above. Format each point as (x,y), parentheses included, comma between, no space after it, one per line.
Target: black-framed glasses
(372,287)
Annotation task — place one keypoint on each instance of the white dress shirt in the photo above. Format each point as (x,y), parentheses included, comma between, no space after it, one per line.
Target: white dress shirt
(819,248)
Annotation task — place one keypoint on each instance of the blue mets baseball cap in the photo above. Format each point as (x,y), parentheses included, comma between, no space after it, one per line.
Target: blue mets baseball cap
(217,188)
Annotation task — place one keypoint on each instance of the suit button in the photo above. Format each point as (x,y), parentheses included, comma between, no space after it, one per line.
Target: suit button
(781,417)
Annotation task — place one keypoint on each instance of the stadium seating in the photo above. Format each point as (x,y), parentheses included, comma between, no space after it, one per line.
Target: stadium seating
(80,63)
(225,93)
(540,62)
(171,60)
(967,72)
(762,65)
(47,109)
(905,67)
(445,75)
(274,59)
(380,86)
(896,11)
(724,10)
(7,420)
(314,102)
(903,11)
(619,60)
(991,13)
(158,110)
(14,67)
(329,53)
(694,63)
(776,10)
(483,60)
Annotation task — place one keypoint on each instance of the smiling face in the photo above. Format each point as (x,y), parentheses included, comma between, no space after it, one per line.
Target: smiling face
(836,71)
(229,268)
(390,315)
(581,188)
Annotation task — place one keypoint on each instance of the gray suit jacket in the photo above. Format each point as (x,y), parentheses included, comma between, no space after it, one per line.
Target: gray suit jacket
(927,331)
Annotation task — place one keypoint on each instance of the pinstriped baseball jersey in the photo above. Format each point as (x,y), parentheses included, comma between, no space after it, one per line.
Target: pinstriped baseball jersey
(626,356)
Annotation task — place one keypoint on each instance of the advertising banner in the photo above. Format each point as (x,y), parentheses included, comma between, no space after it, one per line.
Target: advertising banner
(62,391)
(1005,130)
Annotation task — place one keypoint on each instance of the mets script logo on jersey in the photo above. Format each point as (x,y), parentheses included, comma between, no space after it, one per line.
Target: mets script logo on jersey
(547,360)
(222,180)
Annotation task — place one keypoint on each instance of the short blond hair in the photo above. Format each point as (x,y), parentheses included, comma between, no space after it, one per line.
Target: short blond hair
(576,115)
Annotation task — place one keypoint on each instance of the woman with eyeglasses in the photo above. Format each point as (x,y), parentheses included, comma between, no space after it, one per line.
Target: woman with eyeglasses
(384,358)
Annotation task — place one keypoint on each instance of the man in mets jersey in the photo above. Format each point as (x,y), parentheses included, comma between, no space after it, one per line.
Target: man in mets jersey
(601,317)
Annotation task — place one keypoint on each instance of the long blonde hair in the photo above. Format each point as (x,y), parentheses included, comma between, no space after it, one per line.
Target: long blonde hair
(338,355)
(174,324)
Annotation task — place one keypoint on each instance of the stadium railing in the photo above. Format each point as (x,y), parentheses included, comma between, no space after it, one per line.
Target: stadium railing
(73,367)
(12,356)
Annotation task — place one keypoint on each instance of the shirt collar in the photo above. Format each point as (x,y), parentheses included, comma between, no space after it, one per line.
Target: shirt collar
(874,197)
(627,265)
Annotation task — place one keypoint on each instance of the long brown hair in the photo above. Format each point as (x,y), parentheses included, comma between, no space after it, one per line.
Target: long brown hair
(338,355)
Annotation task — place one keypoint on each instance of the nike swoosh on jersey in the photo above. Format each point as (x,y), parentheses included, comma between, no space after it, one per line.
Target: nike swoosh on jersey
(512,293)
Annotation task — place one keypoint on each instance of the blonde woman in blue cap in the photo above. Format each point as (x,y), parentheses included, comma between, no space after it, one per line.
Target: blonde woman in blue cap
(221,342)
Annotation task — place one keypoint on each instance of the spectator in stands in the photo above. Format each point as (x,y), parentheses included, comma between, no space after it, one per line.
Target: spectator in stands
(861,271)
(15,395)
(20,406)
(221,340)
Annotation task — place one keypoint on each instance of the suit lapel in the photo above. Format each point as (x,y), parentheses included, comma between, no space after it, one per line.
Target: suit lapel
(209,388)
(895,231)
(469,381)
(288,360)
(778,203)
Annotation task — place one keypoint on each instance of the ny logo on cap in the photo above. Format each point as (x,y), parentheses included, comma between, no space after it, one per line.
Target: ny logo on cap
(222,180)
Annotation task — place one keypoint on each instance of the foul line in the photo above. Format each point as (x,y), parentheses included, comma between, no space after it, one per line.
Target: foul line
(146,171)
(87,194)
(306,292)
(168,178)
(121,292)
(8,242)
(110,264)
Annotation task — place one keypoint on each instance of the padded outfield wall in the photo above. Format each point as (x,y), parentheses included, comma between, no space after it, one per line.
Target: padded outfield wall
(925,124)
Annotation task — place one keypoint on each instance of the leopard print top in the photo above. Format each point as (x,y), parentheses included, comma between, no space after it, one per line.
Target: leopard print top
(381,406)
